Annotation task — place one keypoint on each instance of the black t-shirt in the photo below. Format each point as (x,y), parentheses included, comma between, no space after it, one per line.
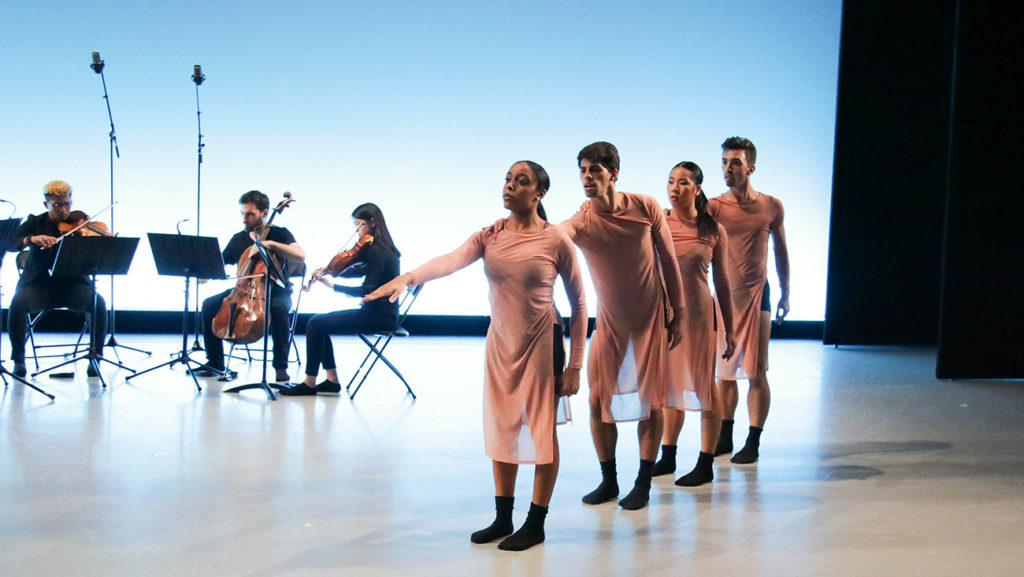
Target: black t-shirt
(241,242)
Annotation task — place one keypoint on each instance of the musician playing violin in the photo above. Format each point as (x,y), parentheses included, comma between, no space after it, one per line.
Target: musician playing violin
(377,262)
(37,290)
(255,207)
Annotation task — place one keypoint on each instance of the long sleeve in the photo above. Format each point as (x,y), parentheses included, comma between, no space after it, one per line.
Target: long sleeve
(460,258)
(720,273)
(569,270)
(667,255)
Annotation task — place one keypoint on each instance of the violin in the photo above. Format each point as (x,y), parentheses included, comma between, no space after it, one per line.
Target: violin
(78,223)
(241,316)
(341,261)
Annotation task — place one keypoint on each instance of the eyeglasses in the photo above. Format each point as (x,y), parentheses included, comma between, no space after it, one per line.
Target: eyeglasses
(59,205)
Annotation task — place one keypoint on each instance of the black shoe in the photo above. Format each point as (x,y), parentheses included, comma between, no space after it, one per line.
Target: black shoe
(91,372)
(328,387)
(297,390)
(281,376)
(20,370)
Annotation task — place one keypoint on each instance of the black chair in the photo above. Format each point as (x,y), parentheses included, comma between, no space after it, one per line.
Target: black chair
(377,349)
(296,269)
(34,319)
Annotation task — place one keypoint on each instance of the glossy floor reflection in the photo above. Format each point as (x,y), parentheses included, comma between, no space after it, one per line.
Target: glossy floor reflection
(869,466)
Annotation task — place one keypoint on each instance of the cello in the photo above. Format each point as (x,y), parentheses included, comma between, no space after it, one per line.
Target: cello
(241,316)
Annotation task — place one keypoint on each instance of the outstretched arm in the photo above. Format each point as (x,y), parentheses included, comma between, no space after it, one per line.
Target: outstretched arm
(437,267)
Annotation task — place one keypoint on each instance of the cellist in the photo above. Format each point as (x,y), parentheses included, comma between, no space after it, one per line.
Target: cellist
(255,207)
(376,260)
(37,290)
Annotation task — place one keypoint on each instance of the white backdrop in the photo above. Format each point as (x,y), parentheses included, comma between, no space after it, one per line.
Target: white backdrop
(419,107)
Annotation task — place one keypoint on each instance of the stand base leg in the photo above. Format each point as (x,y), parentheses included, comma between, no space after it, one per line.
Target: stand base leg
(4,373)
(182,358)
(264,385)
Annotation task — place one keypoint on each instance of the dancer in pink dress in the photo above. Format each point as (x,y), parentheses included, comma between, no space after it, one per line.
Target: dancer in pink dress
(628,247)
(524,371)
(699,241)
(750,218)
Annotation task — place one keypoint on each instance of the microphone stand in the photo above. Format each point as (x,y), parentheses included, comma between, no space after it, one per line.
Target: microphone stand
(198,77)
(97,67)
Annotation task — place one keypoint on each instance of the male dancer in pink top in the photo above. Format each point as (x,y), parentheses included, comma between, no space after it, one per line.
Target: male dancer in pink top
(624,237)
(749,218)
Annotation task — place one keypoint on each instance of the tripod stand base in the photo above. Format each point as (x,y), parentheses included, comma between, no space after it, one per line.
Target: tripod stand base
(94,363)
(112,342)
(4,373)
(264,385)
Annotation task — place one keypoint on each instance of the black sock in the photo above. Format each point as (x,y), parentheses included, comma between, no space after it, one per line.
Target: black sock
(725,438)
(700,474)
(748,454)
(609,487)
(667,463)
(641,493)
(502,524)
(530,534)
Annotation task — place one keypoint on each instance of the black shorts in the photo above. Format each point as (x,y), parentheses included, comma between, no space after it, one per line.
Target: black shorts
(766,298)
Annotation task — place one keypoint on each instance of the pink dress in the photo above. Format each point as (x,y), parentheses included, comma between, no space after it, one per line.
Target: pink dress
(519,380)
(691,367)
(749,226)
(627,251)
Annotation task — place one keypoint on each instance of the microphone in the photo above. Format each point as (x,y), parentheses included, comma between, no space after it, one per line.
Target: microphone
(97,64)
(178,226)
(197,74)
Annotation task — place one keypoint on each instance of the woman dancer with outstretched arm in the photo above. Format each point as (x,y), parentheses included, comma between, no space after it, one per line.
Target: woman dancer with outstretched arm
(522,255)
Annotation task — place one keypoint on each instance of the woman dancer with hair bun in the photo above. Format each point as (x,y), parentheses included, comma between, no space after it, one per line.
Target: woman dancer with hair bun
(522,255)
(698,241)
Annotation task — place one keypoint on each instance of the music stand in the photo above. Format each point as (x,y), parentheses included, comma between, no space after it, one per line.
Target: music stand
(277,274)
(7,229)
(93,255)
(187,256)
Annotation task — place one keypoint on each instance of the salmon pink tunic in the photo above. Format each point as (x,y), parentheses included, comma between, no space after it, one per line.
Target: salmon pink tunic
(627,251)
(749,225)
(691,367)
(519,380)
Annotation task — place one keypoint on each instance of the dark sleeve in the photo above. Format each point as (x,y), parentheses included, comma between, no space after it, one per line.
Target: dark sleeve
(352,291)
(281,235)
(26,228)
(356,270)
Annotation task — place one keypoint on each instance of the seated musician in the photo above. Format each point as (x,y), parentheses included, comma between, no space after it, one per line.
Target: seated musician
(255,207)
(377,263)
(37,290)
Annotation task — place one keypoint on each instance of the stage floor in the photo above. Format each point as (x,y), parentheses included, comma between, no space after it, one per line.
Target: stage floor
(869,466)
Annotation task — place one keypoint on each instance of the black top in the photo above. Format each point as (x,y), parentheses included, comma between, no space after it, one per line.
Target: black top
(37,268)
(378,265)
(241,242)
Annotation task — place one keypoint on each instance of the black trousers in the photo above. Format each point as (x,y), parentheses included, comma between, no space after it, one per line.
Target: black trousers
(319,349)
(49,293)
(278,308)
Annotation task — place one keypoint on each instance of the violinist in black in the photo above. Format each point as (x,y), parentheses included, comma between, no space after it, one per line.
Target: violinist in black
(37,290)
(378,263)
(255,207)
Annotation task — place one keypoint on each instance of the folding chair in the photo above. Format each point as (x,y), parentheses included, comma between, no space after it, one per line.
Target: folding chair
(378,352)
(33,321)
(296,269)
